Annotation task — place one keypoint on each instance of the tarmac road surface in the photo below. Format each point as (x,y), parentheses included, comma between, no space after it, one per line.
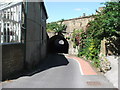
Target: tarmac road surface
(59,72)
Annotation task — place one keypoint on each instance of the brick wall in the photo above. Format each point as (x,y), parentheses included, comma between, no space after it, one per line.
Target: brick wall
(12,59)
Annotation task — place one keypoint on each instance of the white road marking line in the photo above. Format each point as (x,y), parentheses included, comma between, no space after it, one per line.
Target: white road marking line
(79,66)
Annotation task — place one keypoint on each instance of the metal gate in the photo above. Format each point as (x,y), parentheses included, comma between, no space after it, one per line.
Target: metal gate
(10,22)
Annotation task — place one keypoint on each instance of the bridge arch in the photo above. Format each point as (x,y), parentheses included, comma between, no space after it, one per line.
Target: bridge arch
(58,44)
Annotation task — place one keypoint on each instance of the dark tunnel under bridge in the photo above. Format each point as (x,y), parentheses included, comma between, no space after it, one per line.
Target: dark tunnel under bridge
(58,44)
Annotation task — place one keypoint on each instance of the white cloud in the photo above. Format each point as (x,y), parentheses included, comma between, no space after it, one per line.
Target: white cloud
(77,9)
(86,9)
(82,9)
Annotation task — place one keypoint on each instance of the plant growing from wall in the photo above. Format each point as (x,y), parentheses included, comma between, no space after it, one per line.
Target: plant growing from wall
(76,37)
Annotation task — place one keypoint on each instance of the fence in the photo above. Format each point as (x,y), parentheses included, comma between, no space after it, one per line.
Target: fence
(10,22)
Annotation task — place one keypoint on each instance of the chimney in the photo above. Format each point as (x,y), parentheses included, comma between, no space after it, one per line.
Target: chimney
(84,15)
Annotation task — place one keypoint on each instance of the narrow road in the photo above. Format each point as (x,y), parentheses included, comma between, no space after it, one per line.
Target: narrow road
(60,72)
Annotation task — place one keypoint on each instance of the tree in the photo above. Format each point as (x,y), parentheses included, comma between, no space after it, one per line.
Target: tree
(105,25)
(57,27)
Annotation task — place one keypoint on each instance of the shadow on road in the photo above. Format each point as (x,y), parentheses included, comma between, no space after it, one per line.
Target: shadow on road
(52,60)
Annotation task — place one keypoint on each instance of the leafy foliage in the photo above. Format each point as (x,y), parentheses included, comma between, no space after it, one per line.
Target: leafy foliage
(56,26)
(105,25)
(76,37)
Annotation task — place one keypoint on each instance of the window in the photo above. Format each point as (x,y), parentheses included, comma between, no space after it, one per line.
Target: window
(11,19)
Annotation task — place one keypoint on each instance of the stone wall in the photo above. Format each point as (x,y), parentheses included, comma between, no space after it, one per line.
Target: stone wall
(77,23)
(72,24)
(12,59)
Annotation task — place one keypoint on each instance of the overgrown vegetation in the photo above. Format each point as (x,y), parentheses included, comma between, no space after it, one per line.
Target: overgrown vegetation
(78,37)
(105,25)
(56,26)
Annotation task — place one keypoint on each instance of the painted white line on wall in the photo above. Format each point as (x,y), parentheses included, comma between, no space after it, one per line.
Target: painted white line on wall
(79,66)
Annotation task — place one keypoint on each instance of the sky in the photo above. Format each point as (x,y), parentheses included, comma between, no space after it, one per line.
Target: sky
(68,10)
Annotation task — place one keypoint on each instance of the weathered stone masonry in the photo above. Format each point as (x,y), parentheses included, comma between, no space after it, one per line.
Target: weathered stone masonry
(73,24)
(77,23)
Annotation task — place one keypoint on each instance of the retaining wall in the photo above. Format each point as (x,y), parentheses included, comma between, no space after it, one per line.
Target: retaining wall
(12,59)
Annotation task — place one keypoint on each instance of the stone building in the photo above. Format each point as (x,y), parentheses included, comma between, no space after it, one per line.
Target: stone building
(36,37)
(23,40)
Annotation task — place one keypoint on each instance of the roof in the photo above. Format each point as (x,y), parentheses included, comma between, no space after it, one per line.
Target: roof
(4,6)
(44,9)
